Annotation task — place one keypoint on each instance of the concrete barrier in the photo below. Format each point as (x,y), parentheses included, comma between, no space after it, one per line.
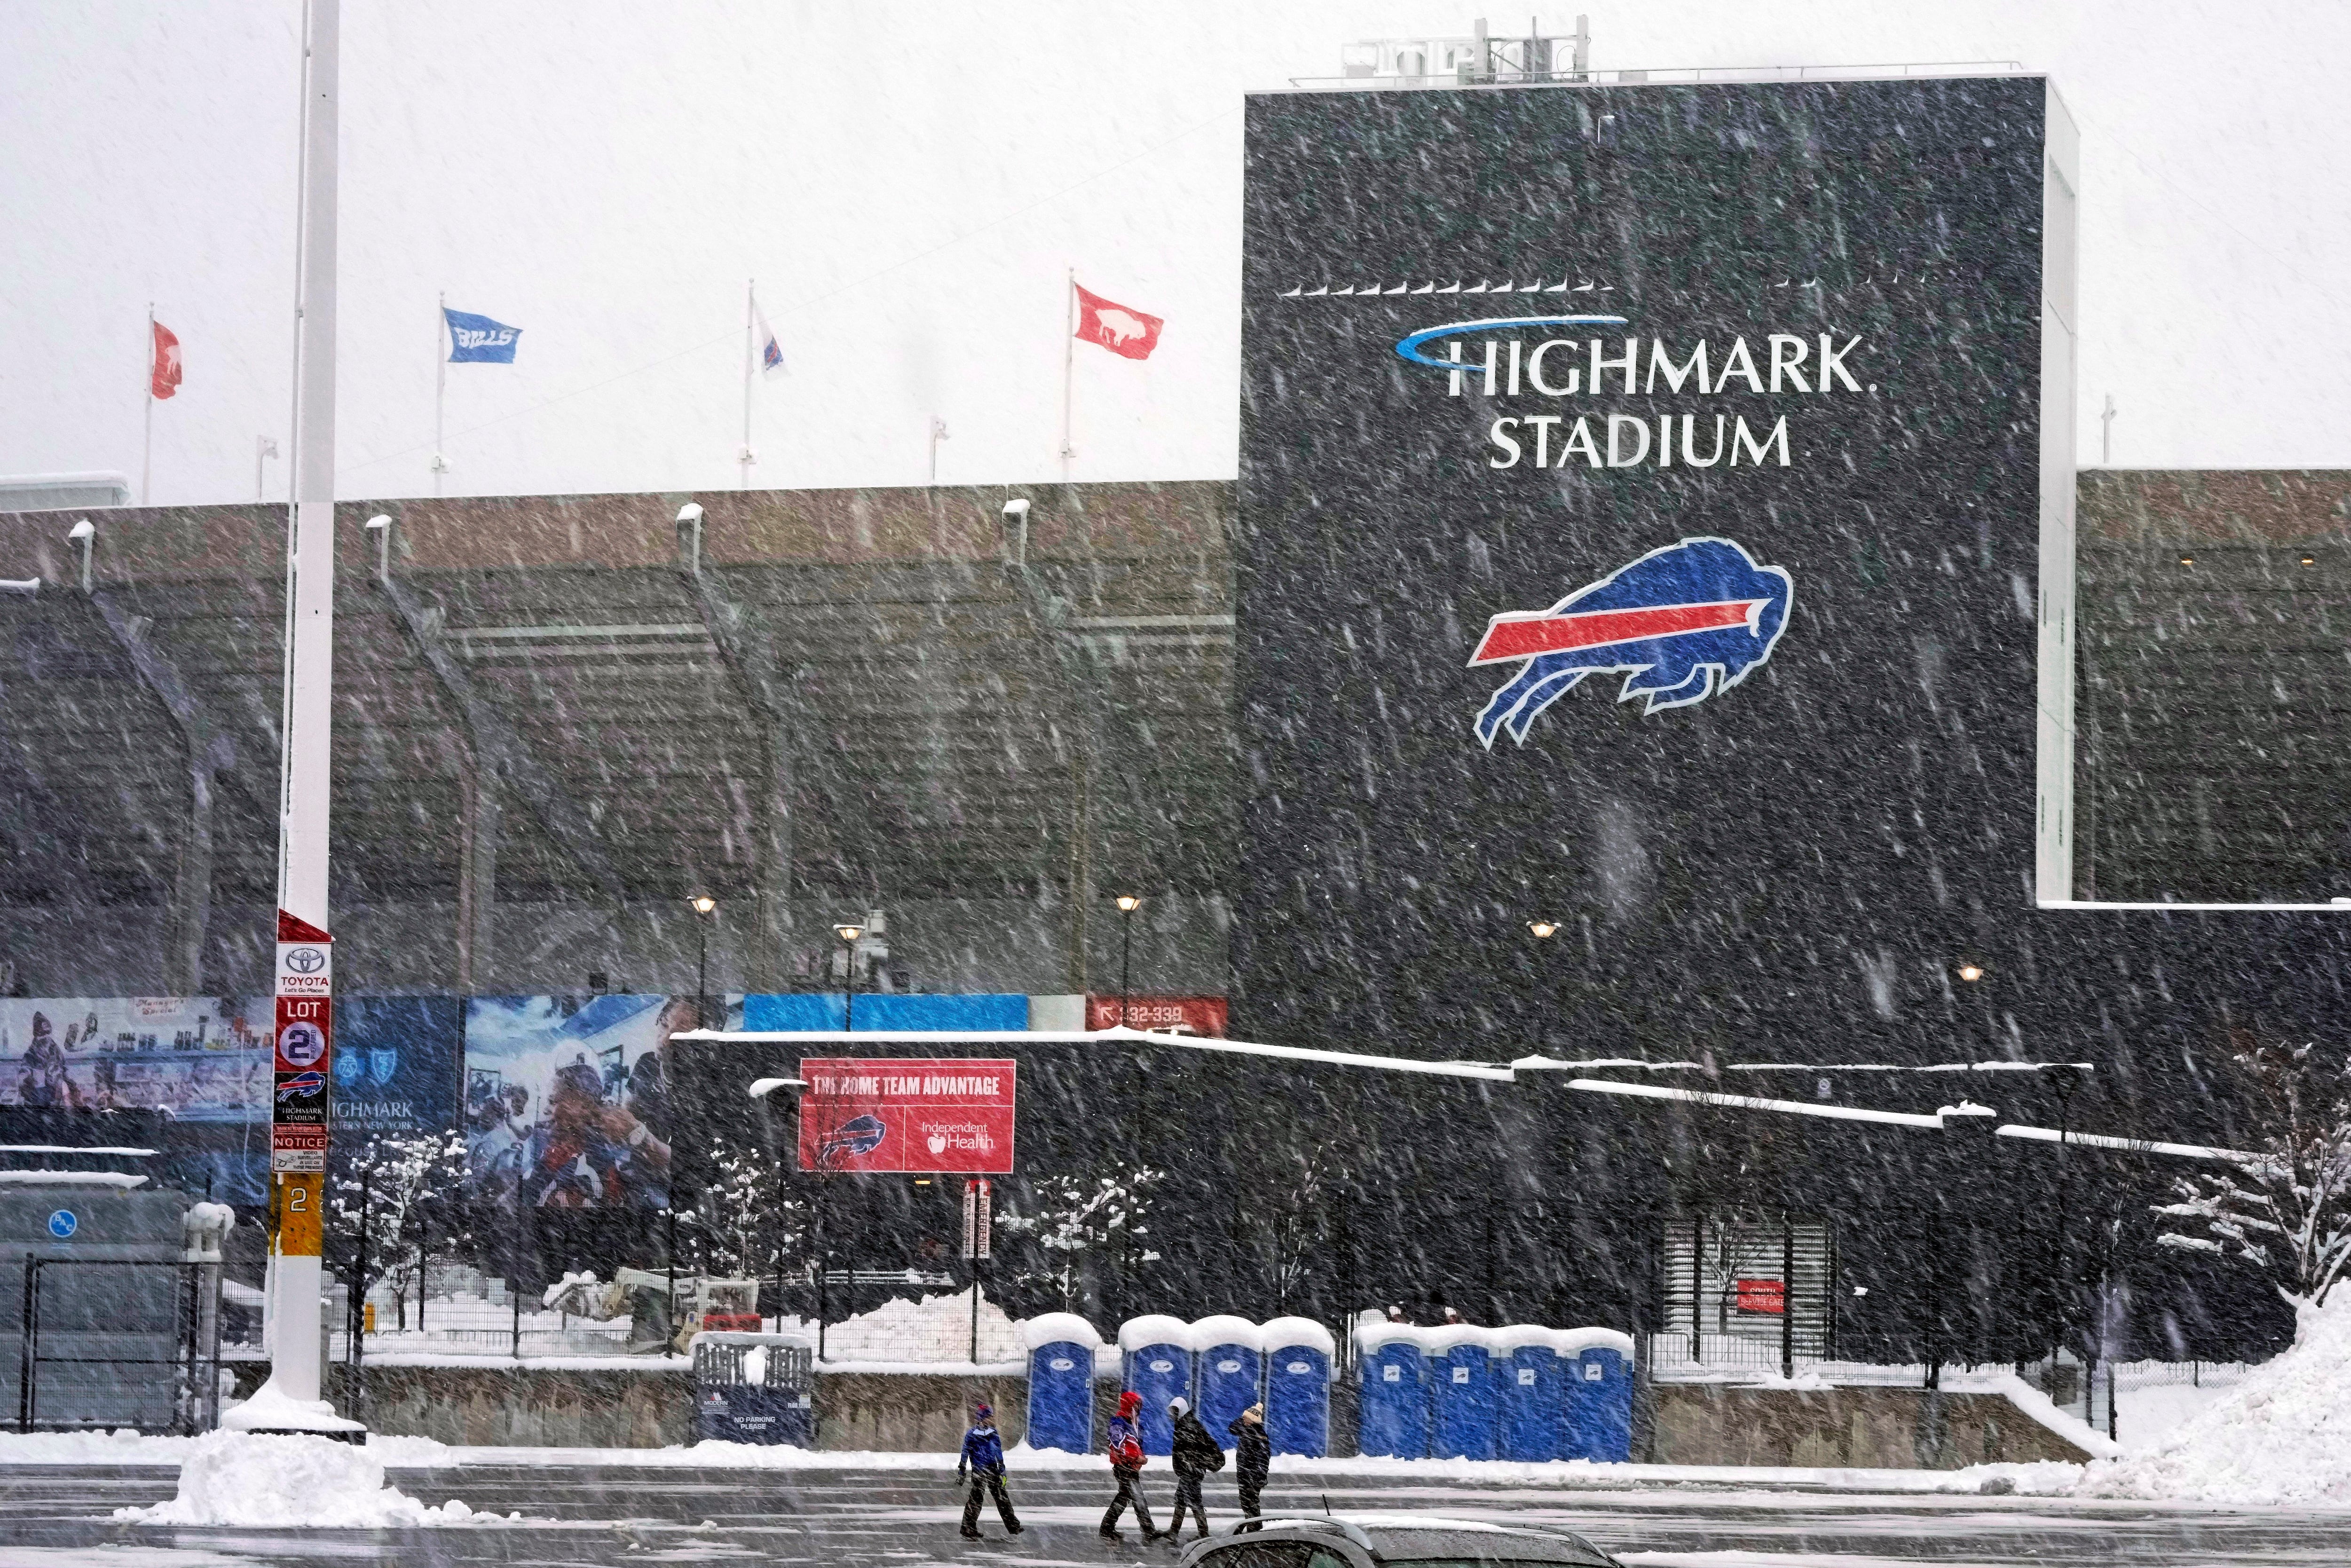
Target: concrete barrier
(1859,1428)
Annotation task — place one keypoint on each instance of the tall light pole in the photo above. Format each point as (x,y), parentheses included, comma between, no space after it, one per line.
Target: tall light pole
(702,906)
(290,1401)
(1128,905)
(848,936)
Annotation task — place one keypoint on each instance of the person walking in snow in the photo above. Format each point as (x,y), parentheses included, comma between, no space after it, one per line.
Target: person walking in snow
(1126,1464)
(1196,1455)
(1252,1456)
(983,1461)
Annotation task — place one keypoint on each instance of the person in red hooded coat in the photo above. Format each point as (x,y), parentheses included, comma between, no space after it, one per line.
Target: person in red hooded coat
(1125,1447)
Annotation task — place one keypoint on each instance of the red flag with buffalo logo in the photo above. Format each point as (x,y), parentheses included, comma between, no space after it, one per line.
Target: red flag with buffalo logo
(163,372)
(1127,332)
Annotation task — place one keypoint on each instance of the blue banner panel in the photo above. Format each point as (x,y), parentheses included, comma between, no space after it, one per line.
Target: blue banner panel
(396,1067)
(883,1011)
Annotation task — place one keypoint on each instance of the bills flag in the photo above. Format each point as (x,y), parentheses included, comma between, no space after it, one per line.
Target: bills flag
(1126,332)
(477,340)
(163,369)
(771,352)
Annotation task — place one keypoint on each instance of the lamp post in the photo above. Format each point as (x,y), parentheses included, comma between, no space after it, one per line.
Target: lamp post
(848,936)
(703,906)
(1128,905)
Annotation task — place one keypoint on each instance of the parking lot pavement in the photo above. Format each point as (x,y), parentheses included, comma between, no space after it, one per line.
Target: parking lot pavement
(59,1517)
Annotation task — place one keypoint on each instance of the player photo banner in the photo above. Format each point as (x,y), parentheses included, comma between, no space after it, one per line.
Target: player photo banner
(945,1116)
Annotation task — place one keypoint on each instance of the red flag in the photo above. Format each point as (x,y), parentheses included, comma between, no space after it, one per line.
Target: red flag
(1129,333)
(163,372)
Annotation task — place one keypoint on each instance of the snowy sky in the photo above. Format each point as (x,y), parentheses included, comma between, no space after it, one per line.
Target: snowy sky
(908,183)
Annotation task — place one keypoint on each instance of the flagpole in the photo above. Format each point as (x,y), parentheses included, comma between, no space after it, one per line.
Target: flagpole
(147,436)
(1069,363)
(440,388)
(750,308)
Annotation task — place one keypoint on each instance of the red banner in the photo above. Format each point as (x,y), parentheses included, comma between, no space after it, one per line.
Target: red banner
(1762,1298)
(948,1116)
(1200,1014)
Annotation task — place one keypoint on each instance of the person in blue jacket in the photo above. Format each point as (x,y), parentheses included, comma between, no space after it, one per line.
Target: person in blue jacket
(983,1463)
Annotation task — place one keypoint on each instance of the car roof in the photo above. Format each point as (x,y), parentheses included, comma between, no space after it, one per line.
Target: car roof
(1404,1536)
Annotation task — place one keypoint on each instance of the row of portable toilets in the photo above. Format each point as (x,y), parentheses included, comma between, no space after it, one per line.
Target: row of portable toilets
(1457,1392)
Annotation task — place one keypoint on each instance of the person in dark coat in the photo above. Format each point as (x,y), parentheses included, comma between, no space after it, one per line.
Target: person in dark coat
(983,1461)
(1195,1454)
(1252,1456)
(1125,1447)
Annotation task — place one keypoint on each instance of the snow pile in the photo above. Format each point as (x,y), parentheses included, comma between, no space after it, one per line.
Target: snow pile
(241,1479)
(2282,1436)
(932,1330)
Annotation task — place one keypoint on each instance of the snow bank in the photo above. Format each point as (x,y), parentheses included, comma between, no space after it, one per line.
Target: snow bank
(1058,1328)
(2282,1436)
(934,1329)
(240,1479)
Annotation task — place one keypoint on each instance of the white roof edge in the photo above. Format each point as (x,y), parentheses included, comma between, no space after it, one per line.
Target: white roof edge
(2129,1146)
(880,1037)
(1749,1102)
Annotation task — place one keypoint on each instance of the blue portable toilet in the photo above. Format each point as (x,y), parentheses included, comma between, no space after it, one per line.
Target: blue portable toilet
(1467,1384)
(1298,1386)
(1157,1352)
(1599,1395)
(1391,1396)
(1533,1393)
(1060,1382)
(1229,1367)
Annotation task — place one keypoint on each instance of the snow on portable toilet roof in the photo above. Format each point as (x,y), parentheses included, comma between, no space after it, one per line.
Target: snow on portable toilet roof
(1058,1328)
(1518,1336)
(1222,1328)
(1370,1336)
(1154,1328)
(1286,1333)
(1440,1340)
(1574,1342)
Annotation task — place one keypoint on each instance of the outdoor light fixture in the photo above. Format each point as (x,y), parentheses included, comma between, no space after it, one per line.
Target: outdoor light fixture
(848,936)
(1541,927)
(1970,972)
(2188,560)
(703,903)
(1128,905)
(2309,560)
(763,1087)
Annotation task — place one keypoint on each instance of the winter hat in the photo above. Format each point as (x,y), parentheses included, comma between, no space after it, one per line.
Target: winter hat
(1128,1403)
(985,1413)
(1255,1411)
(1177,1405)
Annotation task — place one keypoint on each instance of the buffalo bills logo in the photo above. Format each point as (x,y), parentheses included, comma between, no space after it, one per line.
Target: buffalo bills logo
(300,1086)
(1681,623)
(858,1135)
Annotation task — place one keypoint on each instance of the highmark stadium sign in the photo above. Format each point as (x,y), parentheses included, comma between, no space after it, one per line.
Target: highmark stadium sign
(1653,517)
(1542,358)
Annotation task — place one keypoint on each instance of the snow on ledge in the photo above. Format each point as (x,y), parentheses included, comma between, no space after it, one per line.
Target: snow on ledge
(71,1178)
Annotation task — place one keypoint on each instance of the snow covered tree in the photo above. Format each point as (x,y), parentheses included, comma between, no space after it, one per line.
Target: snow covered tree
(2285,1208)
(1080,1222)
(749,1223)
(379,1204)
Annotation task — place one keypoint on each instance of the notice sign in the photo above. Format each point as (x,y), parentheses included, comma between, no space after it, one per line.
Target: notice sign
(979,1216)
(295,1148)
(1762,1297)
(951,1116)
